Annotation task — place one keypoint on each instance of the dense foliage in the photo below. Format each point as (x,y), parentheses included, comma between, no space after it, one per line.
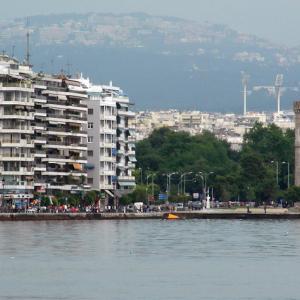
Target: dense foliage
(250,174)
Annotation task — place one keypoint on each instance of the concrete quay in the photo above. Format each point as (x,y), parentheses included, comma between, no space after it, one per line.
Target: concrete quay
(256,214)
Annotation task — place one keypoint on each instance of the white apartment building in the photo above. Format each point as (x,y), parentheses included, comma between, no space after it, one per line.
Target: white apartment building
(16,130)
(42,138)
(111,142)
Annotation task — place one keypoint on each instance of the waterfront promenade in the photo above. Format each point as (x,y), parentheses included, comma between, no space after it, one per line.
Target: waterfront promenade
(276,213)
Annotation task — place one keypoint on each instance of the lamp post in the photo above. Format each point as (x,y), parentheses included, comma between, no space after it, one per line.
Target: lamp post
(141,175)
(184,180)
(152,185)
(277,170)
(288,169)
(204,177)
(169,177)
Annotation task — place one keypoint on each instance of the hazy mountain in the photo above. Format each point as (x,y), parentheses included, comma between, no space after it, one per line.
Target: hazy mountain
(160,62)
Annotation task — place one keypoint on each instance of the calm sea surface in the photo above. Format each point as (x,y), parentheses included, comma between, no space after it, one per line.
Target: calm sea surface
(157,260)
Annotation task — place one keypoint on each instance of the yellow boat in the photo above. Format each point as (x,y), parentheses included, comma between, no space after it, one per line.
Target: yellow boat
(171,217)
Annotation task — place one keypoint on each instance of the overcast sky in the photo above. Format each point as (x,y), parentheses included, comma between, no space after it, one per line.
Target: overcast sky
(277,20)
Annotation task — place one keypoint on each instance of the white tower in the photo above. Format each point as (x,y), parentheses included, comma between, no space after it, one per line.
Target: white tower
(245,80)
(278,86)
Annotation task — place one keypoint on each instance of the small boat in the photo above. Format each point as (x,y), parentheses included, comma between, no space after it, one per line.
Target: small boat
(170,216)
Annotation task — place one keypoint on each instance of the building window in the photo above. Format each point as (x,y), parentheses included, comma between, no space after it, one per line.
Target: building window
(90,125)
(90,180)
(90,139)
(90,111)
(90,152)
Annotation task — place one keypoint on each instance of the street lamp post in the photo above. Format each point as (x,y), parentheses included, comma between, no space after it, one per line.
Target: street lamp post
(204,177)
(184,180)
(288,169)
(277,170)
(152,185)
(141,175)
(169,177)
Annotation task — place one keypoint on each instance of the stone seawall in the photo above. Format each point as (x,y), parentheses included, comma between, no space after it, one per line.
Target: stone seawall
(143,216)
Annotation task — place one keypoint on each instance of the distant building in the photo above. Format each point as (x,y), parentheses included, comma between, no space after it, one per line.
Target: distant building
(228,127)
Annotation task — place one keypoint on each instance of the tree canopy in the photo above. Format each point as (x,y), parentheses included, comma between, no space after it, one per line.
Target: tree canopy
(250,174)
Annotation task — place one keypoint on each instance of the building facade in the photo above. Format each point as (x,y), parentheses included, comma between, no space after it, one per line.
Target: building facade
(111,142)
(59,134)
(42,136)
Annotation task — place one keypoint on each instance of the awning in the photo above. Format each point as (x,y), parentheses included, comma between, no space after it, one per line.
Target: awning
(77,166)
(109,193)
(127,183)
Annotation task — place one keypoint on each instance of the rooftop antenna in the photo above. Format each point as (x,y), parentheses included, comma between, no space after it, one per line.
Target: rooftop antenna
(245,80)
(278,87)
(13,51)
(27,47)
(69,65)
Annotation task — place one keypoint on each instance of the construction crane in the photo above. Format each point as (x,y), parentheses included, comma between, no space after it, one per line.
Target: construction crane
(245,80)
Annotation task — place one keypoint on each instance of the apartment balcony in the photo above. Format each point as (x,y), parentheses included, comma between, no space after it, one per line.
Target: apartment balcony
(40,140)
(39,126)
(65,187)
(107,145)
(17,102)
(40,113)
(65,119)
(108,158)
(21,185)
(108,117)
(70,107)
(123,113)
(17,115)
(121,165)
(126,179)
(65,145)
(40,168)
(16,157)
(105,186)
(130,153)
(123,99)
(39,99)
(131,139)
(131,166)
(16,129)
(17,172)
(16,86)
(104,130)
(40,154)
(57,131)
(17,144)
(107,172)
(50,172)
(56,158)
